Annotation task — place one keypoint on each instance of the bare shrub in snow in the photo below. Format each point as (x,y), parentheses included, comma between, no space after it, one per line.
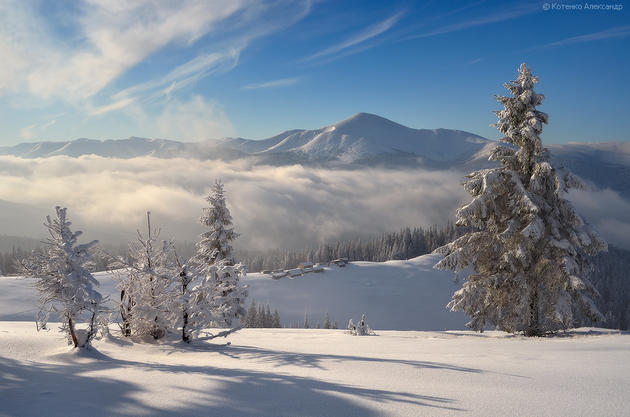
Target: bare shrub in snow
(359,329)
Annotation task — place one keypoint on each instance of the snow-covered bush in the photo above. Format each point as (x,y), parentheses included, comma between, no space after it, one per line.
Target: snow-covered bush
(359,329)
(64,283)
(147,296)
(217,297)
(528,246)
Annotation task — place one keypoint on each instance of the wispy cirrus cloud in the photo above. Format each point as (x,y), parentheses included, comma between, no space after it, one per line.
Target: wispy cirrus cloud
(82,54)
(111,38)
(357,39)
(116,105)
(617,32)
(32,131)
(468,23)
(186,73)
(283,82)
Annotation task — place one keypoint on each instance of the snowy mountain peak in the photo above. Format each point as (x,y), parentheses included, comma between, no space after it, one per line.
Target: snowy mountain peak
(363,121)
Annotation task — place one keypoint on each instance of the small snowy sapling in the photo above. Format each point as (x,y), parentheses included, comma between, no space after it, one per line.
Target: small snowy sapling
(65,285)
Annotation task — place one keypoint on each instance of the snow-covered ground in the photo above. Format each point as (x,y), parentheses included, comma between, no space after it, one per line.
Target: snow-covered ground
(298,372)
(395,295)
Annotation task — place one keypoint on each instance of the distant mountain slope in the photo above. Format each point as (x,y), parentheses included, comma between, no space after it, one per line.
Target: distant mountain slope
(360,138)
(605,164)
(116,148)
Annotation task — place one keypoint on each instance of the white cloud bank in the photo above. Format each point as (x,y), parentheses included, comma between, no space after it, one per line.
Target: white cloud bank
(272,206)
(281,207)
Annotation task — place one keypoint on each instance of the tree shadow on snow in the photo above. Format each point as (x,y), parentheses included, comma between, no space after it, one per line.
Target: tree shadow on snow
(65,389)
(315,360)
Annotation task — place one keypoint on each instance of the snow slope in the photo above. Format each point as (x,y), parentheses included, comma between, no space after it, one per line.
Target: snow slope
(364,136)
(401,295)
(286,372)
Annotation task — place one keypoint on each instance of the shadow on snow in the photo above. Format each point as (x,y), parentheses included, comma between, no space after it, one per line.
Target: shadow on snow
(31,388)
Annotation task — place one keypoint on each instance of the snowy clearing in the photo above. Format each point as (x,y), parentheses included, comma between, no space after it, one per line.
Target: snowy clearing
(295,372)
(397,295)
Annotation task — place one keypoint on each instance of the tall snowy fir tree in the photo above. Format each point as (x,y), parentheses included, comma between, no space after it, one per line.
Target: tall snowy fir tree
(529,248)
(65,285)
(218,296)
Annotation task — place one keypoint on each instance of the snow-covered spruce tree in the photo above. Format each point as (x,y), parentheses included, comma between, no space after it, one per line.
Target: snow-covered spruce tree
(146,289)
(65,285)
(218,296)
(529,246)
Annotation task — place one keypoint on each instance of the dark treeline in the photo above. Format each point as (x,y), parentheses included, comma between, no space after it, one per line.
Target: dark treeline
(611,278)
(404,244)
(9,260)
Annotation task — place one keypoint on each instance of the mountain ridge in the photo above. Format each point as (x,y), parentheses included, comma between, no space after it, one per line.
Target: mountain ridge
(354,139)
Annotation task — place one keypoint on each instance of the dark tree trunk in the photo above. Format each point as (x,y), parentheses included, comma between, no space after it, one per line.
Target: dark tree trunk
(91,329)
(533,325)
(184,278)
(125,313)
(73,335)
(185,336)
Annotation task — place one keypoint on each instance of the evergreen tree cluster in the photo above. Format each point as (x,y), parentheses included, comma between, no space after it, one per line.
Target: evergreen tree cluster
(10,260)
(306,323)
(158,293)
(404,244)
(610,275)
(261,317)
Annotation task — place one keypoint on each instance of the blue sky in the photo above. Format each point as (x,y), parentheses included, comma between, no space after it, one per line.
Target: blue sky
(192,70)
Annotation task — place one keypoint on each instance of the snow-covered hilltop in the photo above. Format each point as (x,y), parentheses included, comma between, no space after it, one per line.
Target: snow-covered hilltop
(365,136)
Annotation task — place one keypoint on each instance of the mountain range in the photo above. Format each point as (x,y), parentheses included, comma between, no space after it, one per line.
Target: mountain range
(362,139)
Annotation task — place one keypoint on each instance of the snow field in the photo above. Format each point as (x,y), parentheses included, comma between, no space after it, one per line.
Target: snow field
(400,295)
(296,372)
